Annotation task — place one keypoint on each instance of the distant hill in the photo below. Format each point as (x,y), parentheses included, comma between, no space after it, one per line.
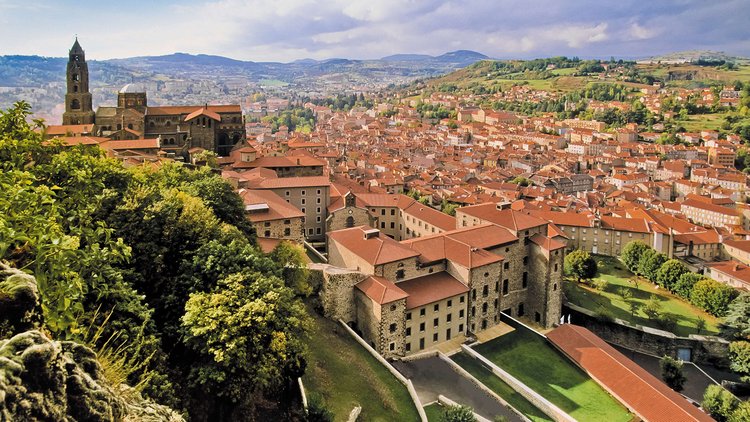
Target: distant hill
(694,56)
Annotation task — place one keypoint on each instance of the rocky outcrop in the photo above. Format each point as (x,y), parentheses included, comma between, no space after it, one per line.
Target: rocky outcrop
(48,380)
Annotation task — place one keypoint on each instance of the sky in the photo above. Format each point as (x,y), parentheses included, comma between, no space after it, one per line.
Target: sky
(287,30)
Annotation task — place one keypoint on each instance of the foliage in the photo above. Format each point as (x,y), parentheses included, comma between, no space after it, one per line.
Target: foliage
(448,208)
(741,413)
(298,119)
(317,410)
(671,373)
(669,273)
(521,181)
(739,356)
(650,263)
(737,319)
(248,332)
(719,403)
(458,414)
(291,257)
(652,309)
(631,254)
(685,284)
(712,296)
(580,265)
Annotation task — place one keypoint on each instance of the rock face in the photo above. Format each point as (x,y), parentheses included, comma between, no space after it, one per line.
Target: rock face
(48,380)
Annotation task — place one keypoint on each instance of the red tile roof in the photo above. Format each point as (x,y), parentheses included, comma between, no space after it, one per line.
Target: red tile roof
(508,218)
(431,288)
(381,290)
(278,208)
(376,250)
(641,392)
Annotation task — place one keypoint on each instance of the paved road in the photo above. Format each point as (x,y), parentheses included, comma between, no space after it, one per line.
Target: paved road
(697,382)
(432,376)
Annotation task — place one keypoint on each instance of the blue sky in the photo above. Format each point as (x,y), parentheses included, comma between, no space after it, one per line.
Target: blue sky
(286,30)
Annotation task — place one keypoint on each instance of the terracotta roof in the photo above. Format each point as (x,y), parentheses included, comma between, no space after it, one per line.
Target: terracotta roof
(176,110)
(635,225)
(547,243)
(431,288)
(203,112)
(290,182)
(278,208)
(274,162)
(733,269)
(564,218)
(381,290)
(743,245)
(508,218)
(376,250)
(641,392)
(53,130)
(134,144)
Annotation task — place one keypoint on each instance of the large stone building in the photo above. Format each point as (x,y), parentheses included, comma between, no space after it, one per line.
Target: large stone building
(215,128)
(431,288)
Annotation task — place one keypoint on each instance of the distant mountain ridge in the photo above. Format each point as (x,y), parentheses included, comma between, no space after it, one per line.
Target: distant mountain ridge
(31,71)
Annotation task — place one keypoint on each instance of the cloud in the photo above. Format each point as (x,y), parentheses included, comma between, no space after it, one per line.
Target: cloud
(285,30)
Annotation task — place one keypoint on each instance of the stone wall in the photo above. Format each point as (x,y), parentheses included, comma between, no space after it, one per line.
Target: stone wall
(337,219)
(704,349)
(392,314)
(336,290)
(279,229)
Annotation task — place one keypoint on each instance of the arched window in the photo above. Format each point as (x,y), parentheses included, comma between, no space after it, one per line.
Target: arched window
(75,88)
(75,104)
(349,221)
(75,77)
(151,124)
(167,124)
(130,126)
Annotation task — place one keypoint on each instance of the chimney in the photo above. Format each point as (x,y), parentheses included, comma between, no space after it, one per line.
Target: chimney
(504,205)
(371,233)
(298,161)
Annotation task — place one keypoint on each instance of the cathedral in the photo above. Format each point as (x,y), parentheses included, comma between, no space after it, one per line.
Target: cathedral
(215,128)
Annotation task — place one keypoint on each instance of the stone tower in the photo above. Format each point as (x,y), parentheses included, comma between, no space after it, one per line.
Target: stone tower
(78,107)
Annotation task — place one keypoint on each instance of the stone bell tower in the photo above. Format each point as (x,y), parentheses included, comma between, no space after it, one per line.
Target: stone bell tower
(78,107)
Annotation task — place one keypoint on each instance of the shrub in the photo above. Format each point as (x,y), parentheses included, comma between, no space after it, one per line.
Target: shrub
(719,403)
(712,296)
(671,373)
(685,283)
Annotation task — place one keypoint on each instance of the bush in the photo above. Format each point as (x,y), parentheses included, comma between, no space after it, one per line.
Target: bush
(652,309)
(599,284)
(317,410)
(580,264)
(712,296)
(458,414)
(719,403)
(685,283)
(671,373)
(667,322)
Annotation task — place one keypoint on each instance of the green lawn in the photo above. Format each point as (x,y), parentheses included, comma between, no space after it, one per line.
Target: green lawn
(530,359)
(698,122)
(610,301)
(346,375)
(502,389)
(434,412)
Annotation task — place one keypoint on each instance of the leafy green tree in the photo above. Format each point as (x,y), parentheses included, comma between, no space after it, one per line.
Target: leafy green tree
(458,414)
(292,258)
(712,296)
(521,181)
(736,323)
(248,332)
(739,356)
(671,373)
(685,284)
(719,403)
(741,413)
(669,273)
(631,254)
(448,207)
(653,308)
(580,264)
(317,410)
(650,263)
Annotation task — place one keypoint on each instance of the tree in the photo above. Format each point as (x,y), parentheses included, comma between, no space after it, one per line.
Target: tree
(671,373)
(317,410)
(292,258)
(739,356)
(741,413)
(631,254)
(580,265)
(719,403)
(650,263)
(448,207)
(248,332)
(652,309)
(712,296)
(669,273)
(685,283)
(737,320)
(458,414)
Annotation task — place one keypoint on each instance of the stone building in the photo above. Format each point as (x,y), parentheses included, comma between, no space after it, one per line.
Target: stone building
(272,217)
(78,104)
(215,128)
(429,289)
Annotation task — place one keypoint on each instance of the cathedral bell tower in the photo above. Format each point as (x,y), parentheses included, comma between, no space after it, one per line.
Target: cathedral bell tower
(78,107)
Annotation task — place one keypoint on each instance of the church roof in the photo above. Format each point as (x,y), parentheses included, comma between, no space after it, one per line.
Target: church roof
(132,88)
(76,49)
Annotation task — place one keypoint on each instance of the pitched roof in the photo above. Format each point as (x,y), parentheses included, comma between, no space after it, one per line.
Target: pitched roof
(547,243)
(508,218)
(431,288)
(381,290)
(375,250)
(278,208)
(641,392)
(203,112)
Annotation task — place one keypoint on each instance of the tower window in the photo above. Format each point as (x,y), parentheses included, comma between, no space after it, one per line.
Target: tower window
(75,88)
(75,104)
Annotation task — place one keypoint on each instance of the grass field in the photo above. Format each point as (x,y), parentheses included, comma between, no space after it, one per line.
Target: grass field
(434,412)
(502,389)
(534,362)
(697,122)
(610,301)
(346,375)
